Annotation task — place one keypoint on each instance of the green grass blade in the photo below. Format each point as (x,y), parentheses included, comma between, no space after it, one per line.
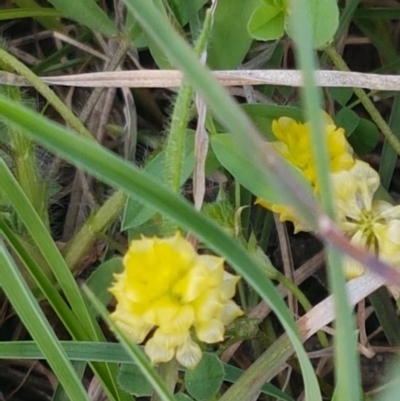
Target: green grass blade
(88,13)
(42,281)
(36,323)
(389,155)
(15,13)
(108,352)
(46,245)
(347,364)
(119,173)
(52,24)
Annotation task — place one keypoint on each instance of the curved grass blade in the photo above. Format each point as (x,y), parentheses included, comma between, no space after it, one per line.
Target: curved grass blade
(36,323)
(346,358)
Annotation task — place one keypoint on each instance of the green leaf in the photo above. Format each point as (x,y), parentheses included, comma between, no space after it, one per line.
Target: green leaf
(100,280)
(324,20)
(137,213)
(267,23)
(185,10)
(347,119)
(88,13)
(263,115)
(132,380)
(240,166)
(203,382)
(364,138)
(341,95)
(182,397)
(230,40)
(391,384)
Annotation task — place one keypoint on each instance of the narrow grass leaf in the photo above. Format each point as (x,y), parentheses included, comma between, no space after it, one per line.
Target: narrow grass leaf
(88,13)
(46,245)
(346,358)
(36,323)
(109,352)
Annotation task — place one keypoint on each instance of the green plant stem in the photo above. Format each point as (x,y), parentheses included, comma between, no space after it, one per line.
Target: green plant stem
(79,246)
(69,117)
(168,372)
(175,143)
(366,102)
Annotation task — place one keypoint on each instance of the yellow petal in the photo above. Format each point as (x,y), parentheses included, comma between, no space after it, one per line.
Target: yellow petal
(182,321)
(200,278)
(189,354)
(230,312)
(388,236)
(228,287)
(162,311)
(157,352)
(208,305)
(169,340)
(135,328)
(210,331)
(286,213)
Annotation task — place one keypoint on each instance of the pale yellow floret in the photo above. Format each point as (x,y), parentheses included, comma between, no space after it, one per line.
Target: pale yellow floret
(167,292)
(371,224)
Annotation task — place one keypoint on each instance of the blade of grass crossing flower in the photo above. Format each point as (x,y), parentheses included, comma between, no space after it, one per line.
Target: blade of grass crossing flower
(133,351)
(119,173)
(36,323)
(347,364)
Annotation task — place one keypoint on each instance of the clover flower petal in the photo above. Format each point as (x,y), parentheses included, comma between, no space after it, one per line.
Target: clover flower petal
(188,353)
(168,292)
(294,144)
(372,224)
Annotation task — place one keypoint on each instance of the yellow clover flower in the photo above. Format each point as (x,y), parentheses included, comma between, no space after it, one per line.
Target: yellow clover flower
(372,224)
(166,292)
(294,144)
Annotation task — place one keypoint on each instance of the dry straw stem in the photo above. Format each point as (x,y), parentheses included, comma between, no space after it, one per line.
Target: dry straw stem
(174,78)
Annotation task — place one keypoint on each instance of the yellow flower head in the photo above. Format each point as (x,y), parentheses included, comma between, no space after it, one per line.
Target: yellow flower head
(294,144)
(372,224)
(168,290)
